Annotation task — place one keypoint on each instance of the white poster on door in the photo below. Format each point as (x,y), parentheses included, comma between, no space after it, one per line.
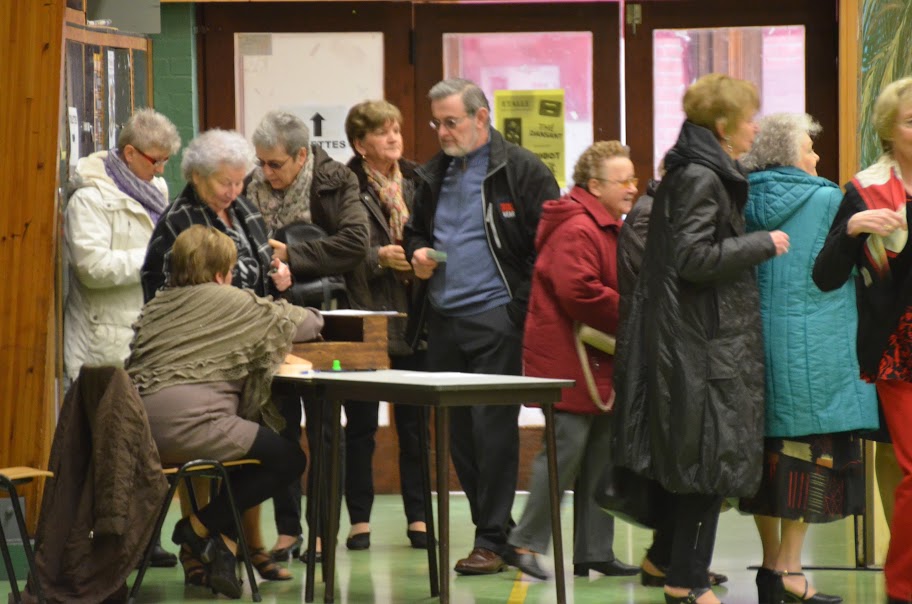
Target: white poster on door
(317,76)
(327,128)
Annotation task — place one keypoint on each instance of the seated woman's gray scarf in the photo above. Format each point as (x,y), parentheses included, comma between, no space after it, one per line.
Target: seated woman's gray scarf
(212,332)
(147,194)
(283,207)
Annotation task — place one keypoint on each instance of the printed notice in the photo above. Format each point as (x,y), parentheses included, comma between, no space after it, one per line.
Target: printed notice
(534,119)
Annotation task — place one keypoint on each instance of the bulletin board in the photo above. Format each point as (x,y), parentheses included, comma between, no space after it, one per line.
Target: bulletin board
(107,77)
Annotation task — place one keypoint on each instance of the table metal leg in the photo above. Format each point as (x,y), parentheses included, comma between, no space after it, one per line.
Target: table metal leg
(423,438)
(442,427)
(332,523)
(555,505)
(314,497)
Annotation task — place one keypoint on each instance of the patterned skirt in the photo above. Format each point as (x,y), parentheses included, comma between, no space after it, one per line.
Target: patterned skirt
(817,478)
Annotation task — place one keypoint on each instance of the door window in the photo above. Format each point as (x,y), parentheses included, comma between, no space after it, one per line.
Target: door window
(770,57)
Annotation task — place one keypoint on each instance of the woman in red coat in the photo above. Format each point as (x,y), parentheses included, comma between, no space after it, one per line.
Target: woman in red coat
(575,281)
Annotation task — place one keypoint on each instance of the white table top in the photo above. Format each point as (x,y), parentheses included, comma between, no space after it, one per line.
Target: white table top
(439,380)
(398,385)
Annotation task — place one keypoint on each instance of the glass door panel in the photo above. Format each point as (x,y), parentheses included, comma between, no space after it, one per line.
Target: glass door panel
(788,48)
(771,57)
(531,61)
(523,47)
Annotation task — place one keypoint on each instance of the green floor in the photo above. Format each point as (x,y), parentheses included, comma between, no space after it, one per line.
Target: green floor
(391,572)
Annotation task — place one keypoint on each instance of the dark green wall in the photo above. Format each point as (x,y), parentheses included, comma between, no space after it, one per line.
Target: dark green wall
(174,79)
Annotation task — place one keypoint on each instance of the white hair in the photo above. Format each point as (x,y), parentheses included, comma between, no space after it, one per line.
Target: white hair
(148,129)
(778,142)
(212,149)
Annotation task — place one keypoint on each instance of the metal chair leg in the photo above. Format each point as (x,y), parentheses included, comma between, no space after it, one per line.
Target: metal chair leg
(10,487)
(243,550)
(10,571)
(147,557)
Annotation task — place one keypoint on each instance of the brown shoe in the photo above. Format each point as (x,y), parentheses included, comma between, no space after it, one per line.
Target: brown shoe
(480,561)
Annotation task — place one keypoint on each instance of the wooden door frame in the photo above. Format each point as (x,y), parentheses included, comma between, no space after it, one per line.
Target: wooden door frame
(217,24)
(431,21)
(821,69)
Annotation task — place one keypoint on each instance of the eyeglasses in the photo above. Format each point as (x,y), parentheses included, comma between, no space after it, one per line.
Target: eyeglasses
(272,164)
(156,163)
(449,123)
(627,182)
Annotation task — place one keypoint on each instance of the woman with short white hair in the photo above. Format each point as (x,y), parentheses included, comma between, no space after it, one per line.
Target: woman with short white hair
(215,165)
(816,405)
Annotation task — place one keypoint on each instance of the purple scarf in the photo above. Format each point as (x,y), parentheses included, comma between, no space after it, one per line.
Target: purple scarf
(142,191)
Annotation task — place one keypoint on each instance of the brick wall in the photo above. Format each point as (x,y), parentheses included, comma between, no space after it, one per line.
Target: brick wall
(174,79)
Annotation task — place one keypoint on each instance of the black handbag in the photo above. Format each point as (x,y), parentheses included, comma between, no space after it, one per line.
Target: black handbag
(319,292)
(629,496)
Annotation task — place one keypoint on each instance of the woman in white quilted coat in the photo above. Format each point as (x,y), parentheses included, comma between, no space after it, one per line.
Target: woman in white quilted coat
(120,195)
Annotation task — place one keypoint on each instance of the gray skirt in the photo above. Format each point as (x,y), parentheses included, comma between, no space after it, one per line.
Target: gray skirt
(193,421)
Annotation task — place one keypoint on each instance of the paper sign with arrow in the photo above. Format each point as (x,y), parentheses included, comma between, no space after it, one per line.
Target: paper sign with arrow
(327,128)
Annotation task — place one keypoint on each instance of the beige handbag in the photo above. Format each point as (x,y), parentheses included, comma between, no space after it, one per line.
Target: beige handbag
(584,335)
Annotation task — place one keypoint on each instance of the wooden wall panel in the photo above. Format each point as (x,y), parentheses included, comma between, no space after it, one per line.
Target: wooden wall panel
(31,35)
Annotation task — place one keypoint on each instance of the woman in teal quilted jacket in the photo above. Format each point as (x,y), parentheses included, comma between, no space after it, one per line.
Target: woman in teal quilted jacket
(815,402)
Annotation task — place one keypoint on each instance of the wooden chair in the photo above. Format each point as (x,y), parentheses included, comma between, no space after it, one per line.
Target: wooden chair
(9,478)
(215,471)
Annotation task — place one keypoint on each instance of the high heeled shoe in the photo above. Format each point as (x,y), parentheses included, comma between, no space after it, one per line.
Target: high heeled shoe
(648,579)
(267,568)
(418,539)
(817,598)
(318,556)
(690,598)
(359,542)
(223,576)
(200,547)
(283,554)
(194,571)
(770,589)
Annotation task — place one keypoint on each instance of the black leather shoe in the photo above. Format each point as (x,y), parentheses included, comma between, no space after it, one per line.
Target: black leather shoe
(651,580)
(418,539)
(690,598)
(201,547)
(162,558)
(223,571)
(769,586)
(615,568)
(318,557)
(282,554)
(528,563)
(817,598)
(359,541)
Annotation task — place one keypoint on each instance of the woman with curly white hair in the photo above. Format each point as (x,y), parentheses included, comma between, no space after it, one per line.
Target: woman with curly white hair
(816,405)
(215,165)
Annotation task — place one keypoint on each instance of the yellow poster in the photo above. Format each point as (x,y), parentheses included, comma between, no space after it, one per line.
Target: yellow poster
(534,119)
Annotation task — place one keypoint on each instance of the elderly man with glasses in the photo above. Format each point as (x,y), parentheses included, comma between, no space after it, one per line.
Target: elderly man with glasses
(471,242)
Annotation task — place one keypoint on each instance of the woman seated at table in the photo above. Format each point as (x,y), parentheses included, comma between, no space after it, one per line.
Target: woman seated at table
(203,358)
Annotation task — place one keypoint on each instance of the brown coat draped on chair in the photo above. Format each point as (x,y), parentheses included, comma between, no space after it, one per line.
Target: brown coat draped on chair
(99,510)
